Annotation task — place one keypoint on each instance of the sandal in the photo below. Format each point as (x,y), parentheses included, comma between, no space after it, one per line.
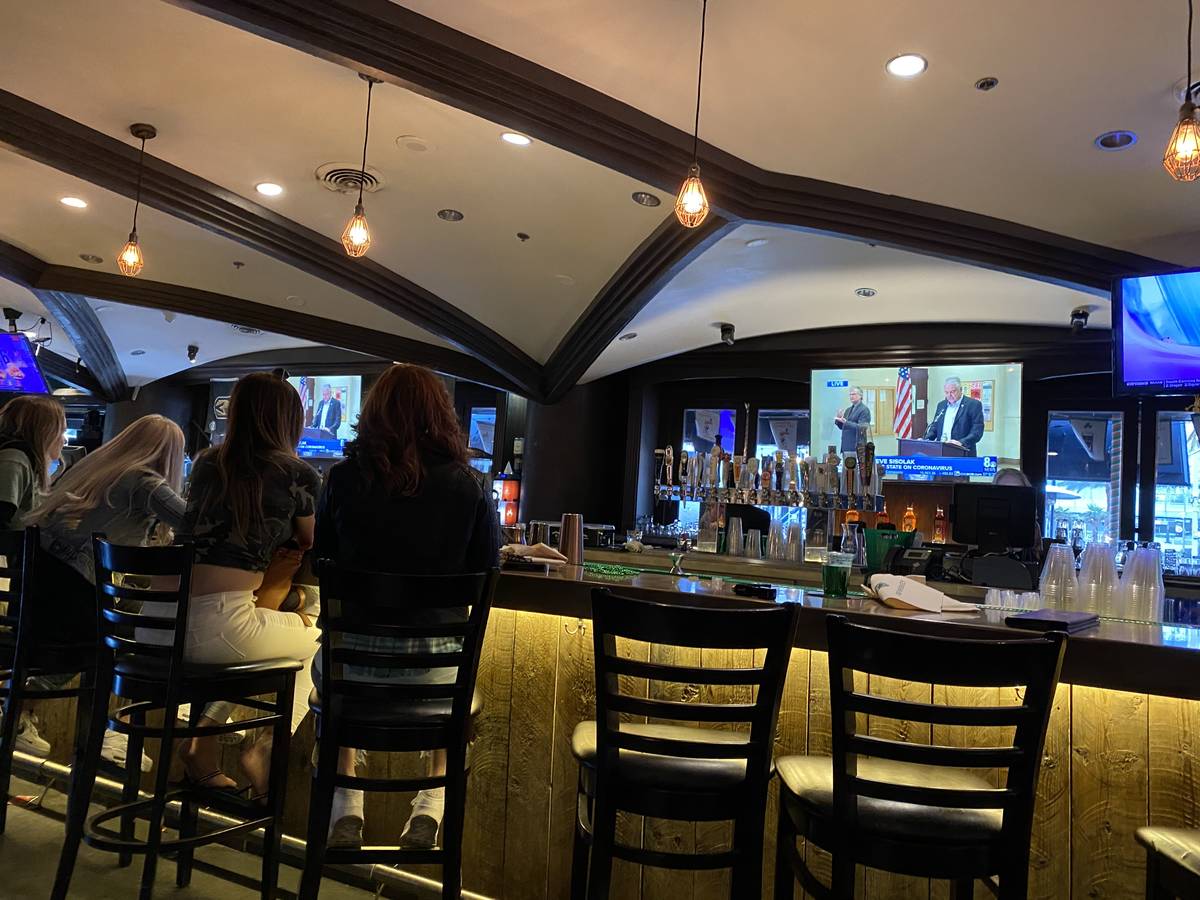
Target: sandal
(202,784)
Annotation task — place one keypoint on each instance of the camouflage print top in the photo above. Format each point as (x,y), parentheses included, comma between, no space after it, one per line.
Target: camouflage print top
(288,492)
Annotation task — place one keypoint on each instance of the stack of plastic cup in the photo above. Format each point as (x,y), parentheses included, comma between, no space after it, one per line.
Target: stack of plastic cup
(1058,585)
(733,537)
(776,545)
(1098,580)
(753,544)
(795,543)
(1141,589)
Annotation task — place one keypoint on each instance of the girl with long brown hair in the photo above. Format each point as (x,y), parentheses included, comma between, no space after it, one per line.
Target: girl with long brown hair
(405,501)
(248,498)
(32,429)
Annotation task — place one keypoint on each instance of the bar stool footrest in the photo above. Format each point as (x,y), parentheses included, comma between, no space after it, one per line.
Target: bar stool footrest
(395,856)
(109,841)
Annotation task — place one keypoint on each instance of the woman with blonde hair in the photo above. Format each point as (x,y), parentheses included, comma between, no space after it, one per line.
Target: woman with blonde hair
(125,489)
(32,427)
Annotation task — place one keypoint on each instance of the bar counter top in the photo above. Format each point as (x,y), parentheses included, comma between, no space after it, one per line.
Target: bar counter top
(1121,655)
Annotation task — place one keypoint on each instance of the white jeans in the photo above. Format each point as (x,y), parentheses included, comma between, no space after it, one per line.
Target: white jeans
(228,628)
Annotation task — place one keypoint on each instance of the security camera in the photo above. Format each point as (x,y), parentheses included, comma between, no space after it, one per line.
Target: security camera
(726,333)
(1079,319)
(192,353)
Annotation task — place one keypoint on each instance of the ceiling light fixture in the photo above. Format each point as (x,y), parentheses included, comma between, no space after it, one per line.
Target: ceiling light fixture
(754,243)
(866,292)
(91,258)
(1116,140)
(138,352)
(73,202)
(130,260)
(450,215)
(645,198)
(517,140)
(628,336)
(907,65)
(356,237)
(987,83)
(269,188)
(1182,156)
(691,205)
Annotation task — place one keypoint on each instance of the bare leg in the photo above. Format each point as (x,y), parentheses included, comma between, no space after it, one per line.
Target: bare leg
(201,758)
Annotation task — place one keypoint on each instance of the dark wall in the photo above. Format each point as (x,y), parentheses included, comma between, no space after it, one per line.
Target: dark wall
(575,454)
(175,400)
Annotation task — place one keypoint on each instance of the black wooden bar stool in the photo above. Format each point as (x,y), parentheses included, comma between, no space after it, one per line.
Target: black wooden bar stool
(716,772)
(1172,862)
(378,628)
(23,655)
(141,660)
(913,808)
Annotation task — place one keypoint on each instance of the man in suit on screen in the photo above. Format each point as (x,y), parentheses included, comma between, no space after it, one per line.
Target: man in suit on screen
(958,420)
(854,421)
(328,414)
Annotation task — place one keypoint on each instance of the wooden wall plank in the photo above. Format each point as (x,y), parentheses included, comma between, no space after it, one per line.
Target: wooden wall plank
(1109,792)
(1050,849)
(483,863)
(530,749)
(1174,762)
(791,737)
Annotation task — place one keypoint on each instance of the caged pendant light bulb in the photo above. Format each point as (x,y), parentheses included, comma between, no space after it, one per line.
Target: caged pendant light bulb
(356,237)
(1182,156)
(130,260)
(691,205)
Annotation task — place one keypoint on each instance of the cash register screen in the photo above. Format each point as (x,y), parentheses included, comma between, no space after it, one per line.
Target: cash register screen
(907,413)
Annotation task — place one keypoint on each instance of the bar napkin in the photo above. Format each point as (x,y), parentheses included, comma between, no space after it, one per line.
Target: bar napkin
(903,592)
(534,553)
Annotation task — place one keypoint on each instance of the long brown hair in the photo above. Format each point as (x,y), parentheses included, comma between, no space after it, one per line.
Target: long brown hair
(40,422)
(407,424)
(264,426)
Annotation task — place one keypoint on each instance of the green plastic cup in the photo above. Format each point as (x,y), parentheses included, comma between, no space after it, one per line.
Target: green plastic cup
(835,574)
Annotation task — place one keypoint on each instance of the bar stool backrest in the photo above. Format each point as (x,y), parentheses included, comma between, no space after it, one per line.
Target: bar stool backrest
(758,627)
(17,549)
(1032,663)
(382,624)
(141,595)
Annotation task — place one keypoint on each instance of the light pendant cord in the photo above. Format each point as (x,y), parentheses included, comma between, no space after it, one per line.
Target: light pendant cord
(1188,90)
(699,82)
(137,202)
(366,133)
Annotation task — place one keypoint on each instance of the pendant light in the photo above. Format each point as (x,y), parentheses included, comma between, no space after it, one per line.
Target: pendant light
(691,206)
(1182,157)
(356,237)
(130,260)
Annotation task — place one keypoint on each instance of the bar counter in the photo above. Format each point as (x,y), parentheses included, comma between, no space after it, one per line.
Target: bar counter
(1121,749)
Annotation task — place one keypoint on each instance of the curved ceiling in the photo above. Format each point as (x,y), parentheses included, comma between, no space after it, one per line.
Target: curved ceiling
(801,88)
(765,280)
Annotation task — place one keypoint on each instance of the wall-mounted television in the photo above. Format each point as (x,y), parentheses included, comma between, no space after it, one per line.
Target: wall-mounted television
(19,370)
(331,406)
(908,405)
(1156,334)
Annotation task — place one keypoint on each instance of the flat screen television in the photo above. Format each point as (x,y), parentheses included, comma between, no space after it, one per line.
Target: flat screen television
(19,370)
(1156,334)
(904,410)
(331,406)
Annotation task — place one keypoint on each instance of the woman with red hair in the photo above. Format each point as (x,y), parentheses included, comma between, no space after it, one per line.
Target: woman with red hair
(405,501)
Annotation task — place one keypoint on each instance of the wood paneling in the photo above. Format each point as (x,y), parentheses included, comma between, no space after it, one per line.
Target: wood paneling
(1050,849)
(77,318)
(791,737)
(1174,762)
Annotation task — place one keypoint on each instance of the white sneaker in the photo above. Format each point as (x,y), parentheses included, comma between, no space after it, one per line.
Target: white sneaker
(28,739)
(116,750)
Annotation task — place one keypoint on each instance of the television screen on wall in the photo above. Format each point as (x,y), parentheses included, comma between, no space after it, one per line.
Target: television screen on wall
(19,370)
(1156,334)
(900,405)
(331,406)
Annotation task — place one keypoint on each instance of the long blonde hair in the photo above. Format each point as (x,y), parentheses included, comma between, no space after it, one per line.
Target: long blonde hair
(152,446)
(39,422)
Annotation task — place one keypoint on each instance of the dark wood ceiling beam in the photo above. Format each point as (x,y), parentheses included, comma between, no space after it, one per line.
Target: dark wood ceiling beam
(77,318)
(69,371)
(398,45)
(656,261)
(54,140)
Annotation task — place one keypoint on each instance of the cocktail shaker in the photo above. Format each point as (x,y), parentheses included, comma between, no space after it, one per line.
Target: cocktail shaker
(570,538)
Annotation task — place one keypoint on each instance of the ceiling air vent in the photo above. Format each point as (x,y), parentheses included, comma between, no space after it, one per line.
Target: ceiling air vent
(344,178)
(247,329)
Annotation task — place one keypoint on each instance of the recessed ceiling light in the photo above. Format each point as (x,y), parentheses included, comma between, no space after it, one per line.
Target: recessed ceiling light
(866,292)
(907,65)
(518,140)
(73,202)
(645,198)
(565,280)
(101,309)
(628,336)
(296,301)
(137,352)
(522,236)
(269,188)
(987,83)
(756,242)
(450,215)
(1116,140)
(414,143)
(91,258)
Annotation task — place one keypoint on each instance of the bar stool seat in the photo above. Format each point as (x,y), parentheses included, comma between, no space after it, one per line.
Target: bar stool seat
(669,772)
(809,794)
(1172,861)
(392,714)
(155,669)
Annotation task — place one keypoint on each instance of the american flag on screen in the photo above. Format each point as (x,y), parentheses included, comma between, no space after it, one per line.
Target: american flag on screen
(303,391)
(902,422)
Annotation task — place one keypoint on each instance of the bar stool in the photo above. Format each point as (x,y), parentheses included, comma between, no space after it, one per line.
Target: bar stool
(375,626)
(912,808)
(1172,862)
(23,655)
(674,771)
(141,660)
